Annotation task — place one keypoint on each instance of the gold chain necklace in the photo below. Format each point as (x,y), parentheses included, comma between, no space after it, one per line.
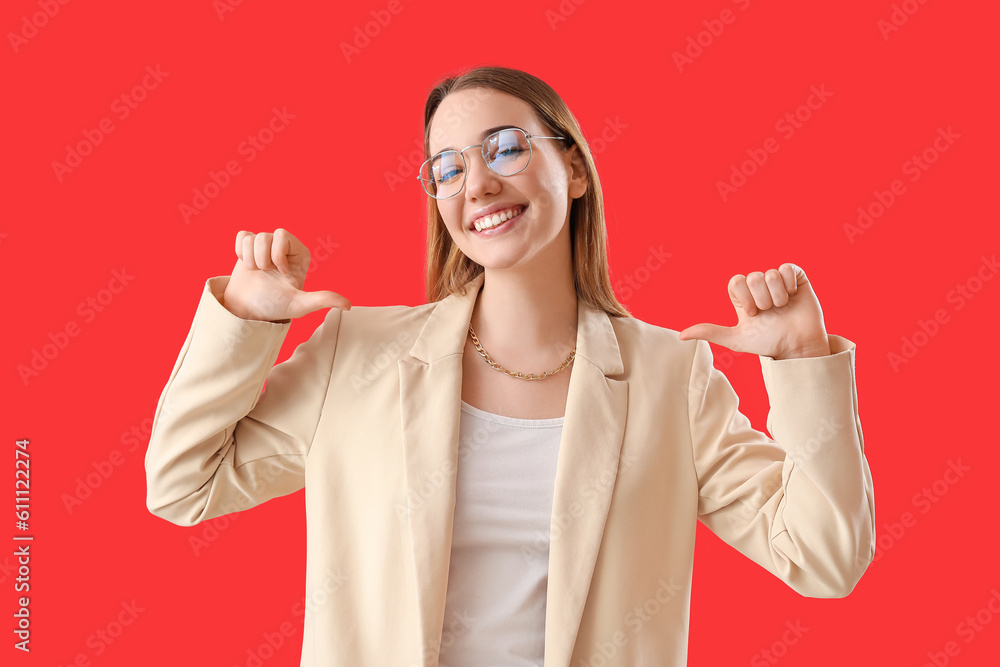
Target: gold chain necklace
(518,374)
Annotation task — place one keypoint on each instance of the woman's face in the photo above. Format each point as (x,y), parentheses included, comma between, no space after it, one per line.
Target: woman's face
(543,191)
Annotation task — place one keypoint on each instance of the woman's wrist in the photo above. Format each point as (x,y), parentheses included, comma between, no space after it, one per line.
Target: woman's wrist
(816,349)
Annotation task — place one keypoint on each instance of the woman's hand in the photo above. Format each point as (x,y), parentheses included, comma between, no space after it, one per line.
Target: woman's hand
(778,316)
(266,283)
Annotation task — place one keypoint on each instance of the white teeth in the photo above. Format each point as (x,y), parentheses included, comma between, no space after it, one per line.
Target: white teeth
(496,219)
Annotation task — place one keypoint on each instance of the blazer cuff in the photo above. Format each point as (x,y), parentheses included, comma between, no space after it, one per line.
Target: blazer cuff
(221,340)
(211,301)
(809,391)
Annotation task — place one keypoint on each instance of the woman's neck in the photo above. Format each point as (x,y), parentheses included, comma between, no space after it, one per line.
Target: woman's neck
(527,318)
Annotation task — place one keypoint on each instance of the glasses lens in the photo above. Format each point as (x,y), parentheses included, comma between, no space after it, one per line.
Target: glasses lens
(507,151)
(442,175)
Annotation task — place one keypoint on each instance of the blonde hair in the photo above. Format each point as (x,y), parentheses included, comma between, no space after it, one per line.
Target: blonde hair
(449,270)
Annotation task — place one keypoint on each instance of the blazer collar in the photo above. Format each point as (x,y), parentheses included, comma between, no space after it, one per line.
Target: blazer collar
(430,386)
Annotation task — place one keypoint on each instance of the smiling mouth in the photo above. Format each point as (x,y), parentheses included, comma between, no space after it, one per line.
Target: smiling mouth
(497,219)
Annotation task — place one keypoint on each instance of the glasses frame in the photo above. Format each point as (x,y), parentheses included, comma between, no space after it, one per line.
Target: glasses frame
(482,146)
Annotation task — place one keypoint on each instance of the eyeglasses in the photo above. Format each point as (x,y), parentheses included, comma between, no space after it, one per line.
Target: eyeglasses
(506,152)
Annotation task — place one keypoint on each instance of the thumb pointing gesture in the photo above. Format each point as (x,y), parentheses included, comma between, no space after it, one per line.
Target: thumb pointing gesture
(267,280)
(778,316)
(303,303)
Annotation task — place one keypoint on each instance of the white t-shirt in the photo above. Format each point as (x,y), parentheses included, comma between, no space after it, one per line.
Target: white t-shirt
(495,608)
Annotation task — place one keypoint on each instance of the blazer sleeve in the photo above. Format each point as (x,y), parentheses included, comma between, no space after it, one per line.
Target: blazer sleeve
(220,441)
(801,504)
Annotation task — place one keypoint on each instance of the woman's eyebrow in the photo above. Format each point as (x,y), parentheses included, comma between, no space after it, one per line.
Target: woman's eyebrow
(488,131)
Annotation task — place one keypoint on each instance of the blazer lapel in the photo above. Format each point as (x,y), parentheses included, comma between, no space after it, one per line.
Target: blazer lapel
(593,428)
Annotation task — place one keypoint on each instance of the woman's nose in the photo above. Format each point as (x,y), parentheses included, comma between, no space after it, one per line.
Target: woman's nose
(480,180)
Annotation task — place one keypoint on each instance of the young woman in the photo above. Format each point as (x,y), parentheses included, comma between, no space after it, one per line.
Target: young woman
(512,472)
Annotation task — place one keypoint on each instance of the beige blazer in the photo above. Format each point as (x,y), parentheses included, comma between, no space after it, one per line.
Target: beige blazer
(365,416)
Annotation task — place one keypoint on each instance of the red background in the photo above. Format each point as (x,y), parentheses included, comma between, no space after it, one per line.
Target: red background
(324,177)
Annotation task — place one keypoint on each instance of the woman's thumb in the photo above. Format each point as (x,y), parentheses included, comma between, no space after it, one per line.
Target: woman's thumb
(307,302)
(713,333)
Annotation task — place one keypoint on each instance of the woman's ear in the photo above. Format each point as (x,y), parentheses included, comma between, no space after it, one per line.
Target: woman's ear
(579,181)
